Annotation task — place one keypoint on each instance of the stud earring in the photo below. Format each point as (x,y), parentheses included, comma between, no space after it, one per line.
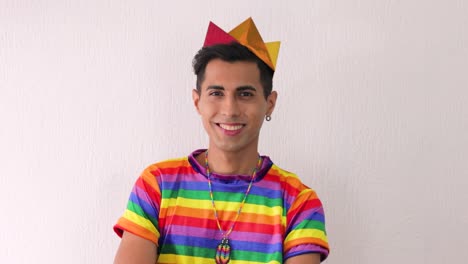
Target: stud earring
(267,118)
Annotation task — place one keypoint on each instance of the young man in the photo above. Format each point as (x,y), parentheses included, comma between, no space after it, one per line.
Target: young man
(225,204)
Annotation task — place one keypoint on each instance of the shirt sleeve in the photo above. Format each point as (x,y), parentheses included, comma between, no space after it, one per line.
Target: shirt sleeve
(141,215)
(306,227)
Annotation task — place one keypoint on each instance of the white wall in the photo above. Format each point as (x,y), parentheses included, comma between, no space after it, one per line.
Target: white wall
(372,114)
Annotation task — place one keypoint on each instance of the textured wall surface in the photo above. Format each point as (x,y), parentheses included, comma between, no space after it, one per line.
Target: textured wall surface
(372,114)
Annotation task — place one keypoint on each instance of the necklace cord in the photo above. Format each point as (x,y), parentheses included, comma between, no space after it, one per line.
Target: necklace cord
(208,173)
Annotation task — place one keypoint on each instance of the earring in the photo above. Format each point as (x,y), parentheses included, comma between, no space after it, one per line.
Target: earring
(267,118)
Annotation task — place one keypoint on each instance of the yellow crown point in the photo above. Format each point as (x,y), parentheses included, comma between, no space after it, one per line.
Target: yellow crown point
(273,50)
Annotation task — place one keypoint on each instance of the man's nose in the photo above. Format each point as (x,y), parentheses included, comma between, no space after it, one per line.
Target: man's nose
(230,106)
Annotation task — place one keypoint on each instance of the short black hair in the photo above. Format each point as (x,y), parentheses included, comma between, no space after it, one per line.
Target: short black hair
(231,52)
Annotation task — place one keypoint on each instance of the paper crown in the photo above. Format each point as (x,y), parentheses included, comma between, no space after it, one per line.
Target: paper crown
(247,35)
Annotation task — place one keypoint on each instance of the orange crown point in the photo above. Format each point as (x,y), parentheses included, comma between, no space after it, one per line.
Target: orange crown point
(247,35)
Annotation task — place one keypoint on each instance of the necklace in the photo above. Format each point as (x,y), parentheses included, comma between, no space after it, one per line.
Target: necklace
(223,251)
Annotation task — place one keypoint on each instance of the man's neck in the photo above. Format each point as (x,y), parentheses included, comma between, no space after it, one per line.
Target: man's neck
(232,163)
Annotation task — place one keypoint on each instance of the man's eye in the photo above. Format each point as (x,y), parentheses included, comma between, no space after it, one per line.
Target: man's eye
(246,94)
(216,93)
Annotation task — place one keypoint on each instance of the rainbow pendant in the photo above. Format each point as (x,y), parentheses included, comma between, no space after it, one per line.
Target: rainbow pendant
(223,252)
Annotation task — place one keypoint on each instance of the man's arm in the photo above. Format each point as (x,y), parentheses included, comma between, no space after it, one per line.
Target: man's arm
(134,249)
(310,258)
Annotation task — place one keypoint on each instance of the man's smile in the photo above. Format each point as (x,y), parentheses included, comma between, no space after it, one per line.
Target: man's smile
(230,127)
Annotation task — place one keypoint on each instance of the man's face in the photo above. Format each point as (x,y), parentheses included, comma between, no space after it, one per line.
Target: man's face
(232,105)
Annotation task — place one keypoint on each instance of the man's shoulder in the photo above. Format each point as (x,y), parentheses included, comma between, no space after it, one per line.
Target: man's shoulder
(290,181)
(168,165)
(275,170)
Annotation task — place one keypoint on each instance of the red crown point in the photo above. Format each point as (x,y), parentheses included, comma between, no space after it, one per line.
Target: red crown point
(215,35)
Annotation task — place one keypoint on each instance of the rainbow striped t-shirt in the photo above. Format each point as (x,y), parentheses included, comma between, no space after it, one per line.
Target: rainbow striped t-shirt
(170,205)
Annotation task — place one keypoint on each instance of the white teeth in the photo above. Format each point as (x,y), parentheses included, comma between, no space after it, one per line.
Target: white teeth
(228,127)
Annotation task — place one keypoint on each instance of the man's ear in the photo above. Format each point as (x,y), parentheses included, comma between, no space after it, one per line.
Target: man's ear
(271,102)
(196,99)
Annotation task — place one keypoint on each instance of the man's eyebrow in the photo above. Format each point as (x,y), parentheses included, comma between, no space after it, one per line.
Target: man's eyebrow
(215,87)
(240,88)
(246,87)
